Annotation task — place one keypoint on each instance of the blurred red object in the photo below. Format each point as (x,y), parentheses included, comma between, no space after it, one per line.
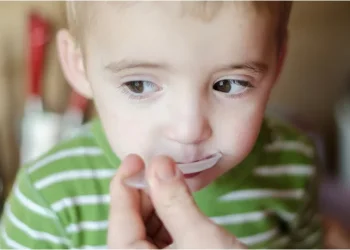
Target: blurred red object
(38,38)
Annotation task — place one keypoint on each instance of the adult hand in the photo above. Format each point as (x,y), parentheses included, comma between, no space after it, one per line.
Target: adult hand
(177,219)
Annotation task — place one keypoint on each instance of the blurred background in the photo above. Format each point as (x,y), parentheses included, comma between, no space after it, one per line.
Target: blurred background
(33,93)
(313,91)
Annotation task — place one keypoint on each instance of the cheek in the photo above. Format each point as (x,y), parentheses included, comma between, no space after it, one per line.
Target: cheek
(128,132)
(242,137)
(239,130)
(129,128)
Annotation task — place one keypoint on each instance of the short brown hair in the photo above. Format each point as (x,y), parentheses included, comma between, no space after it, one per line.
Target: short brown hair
(80,12)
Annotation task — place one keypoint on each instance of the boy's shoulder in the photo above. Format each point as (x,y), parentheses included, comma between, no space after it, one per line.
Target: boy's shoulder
(286,130)
(74,163)
(73,148)
(61,196)
(285,136)
(289,158)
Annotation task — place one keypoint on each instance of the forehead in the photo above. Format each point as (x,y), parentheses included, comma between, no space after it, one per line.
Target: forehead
(201,9)
(177,31)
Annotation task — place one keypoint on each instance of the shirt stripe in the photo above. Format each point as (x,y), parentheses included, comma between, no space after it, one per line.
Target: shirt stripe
(259,238)
(10,242)
(72,175)
(285,170)
(288,216)
(33,207)
(249,217)
(34,233)
(296,146)
(75,152)
(87,226)
(238,218)
(80,201)
(262,193)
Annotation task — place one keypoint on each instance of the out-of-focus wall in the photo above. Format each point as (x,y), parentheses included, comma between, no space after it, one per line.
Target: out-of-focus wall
(318,65)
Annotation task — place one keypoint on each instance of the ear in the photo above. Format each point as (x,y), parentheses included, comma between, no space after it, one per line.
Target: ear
(282,53)
(72,63)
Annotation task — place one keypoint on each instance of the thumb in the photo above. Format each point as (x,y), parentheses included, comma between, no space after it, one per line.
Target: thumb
(173,201)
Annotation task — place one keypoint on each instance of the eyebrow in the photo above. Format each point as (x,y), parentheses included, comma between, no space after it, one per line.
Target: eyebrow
(117,66)
(256,67)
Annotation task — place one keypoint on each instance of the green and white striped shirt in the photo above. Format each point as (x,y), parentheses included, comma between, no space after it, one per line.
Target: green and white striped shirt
(268,201)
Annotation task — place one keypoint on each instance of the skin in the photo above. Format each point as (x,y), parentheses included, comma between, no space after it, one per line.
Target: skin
(184,111)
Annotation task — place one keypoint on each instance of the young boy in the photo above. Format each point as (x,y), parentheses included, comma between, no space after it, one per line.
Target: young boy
(183,79)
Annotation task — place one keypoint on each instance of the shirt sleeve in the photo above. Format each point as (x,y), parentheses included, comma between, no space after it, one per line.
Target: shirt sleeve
(28,222)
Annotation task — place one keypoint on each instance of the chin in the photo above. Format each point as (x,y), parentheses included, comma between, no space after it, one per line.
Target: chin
(202,180)
(208,176)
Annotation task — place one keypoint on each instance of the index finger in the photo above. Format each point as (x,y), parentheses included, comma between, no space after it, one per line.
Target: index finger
(125,225)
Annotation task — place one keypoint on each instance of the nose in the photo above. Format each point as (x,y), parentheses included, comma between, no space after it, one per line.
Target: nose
(188,123)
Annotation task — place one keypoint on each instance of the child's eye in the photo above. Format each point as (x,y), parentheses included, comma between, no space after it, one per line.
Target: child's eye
(141,87)
(232,86)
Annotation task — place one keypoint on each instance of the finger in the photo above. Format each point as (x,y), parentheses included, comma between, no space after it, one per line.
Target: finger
(172,200)
(124,214)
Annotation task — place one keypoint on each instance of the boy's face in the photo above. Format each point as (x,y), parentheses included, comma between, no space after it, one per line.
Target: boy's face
(173,84)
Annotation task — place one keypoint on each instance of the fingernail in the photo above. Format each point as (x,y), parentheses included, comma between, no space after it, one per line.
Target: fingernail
(166,172)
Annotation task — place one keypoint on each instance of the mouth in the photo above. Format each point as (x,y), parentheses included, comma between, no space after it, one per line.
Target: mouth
(189,170)
(199,166)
